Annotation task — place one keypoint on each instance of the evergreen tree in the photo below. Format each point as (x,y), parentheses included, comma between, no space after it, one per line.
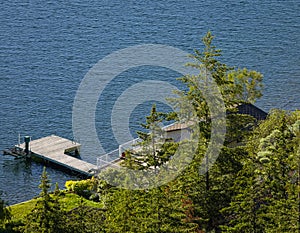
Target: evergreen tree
(56,190)
(153,150)
(85,219)
(122,213)
(169,211)
(155,210)
(5,214)
(267,189)
(47,216)
(212,192)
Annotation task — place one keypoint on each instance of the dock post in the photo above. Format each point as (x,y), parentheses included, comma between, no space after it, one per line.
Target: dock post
(27,140)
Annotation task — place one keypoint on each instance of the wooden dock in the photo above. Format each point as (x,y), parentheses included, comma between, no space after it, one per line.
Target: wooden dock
(54,148)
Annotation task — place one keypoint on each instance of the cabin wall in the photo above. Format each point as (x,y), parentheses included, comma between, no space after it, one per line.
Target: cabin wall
(179,135)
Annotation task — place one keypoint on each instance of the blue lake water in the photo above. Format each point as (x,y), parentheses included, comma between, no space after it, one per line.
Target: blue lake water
(47,47)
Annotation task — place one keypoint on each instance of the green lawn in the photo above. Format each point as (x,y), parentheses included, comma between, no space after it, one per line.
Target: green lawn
(68,202)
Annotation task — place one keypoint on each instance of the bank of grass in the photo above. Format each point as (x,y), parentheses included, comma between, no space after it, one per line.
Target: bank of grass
(68,202)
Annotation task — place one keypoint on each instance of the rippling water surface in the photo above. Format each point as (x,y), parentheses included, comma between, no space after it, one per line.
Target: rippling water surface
(46,48)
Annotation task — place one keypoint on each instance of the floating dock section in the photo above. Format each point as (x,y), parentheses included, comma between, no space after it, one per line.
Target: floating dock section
(55,149)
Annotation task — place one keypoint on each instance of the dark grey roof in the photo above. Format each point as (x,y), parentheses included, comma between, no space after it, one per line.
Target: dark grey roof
(252,110)
(247,109)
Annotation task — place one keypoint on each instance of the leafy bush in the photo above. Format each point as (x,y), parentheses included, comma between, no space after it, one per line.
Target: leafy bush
(83,188)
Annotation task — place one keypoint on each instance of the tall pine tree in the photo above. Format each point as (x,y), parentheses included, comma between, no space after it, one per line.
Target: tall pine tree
(212,192)
(47,216)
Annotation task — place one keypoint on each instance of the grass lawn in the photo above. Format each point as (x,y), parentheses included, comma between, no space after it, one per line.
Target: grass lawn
(68,201)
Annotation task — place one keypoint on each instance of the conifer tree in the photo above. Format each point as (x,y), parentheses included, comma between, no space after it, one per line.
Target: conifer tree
(153,150)
(212,192)
(267,188)
(155,210)
(47,216)
(85,219)
(5,214)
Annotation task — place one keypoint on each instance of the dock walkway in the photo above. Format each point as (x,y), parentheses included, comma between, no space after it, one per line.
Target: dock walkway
(54,148)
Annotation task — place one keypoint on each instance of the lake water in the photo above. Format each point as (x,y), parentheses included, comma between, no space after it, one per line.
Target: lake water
(47,47)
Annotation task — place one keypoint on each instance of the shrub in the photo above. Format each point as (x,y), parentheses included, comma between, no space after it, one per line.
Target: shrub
(82,187)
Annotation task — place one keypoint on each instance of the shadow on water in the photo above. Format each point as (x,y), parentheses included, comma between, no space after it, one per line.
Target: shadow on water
(20,178)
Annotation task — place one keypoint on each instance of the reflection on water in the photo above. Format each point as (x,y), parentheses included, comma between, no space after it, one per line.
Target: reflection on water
(20,178)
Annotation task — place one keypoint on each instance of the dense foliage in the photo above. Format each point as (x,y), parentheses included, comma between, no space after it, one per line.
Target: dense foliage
(267,188)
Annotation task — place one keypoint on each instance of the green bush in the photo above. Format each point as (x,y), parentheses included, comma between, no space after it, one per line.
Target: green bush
(82,187)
